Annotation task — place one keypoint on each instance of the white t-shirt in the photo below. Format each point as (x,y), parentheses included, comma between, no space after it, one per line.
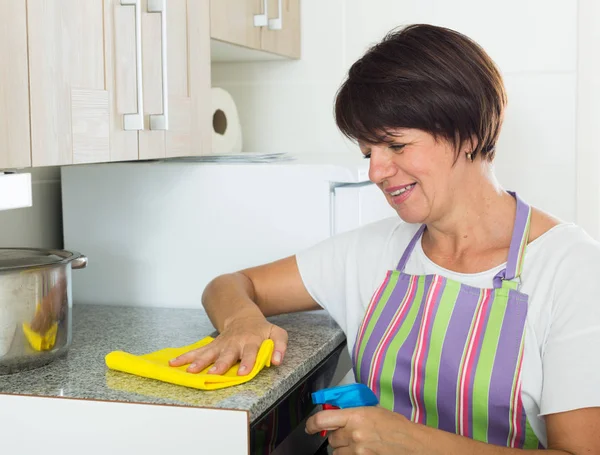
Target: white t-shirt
(561,275)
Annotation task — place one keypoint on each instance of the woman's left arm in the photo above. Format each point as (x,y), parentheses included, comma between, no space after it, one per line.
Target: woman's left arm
(377,431)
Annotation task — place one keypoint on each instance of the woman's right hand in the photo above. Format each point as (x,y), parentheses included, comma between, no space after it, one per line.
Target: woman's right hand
(241,339)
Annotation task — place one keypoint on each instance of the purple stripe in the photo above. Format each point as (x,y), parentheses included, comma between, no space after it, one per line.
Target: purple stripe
(403,371)
(410,248)
(385,318)
(505,368)
(420,373)
(470,399)
(452,351)
(521,218)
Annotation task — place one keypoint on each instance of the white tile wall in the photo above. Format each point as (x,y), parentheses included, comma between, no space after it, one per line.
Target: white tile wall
(520,35)
(536,150)
(588,117)
(367,22)
(299,121)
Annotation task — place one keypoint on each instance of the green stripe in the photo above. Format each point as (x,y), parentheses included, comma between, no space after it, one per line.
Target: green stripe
(463,359)
(531,440)
(374,318)
(483,373)
(436,343)
(386,390)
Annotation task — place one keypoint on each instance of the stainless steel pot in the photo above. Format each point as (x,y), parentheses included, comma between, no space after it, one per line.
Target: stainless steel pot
(35,306)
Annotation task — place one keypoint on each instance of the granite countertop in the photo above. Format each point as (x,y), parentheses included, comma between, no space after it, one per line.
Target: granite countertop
(98,330)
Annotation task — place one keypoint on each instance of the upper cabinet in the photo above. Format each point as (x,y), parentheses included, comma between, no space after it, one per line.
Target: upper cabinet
(254,29)
(67,80)
(14,90)
(176,101)
(86,81)
(282,35)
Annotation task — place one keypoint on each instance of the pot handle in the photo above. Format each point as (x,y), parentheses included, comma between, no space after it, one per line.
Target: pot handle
(79,262)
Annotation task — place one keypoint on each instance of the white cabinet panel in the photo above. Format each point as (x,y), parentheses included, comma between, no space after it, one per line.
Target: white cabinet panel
(357,205)
(118,428)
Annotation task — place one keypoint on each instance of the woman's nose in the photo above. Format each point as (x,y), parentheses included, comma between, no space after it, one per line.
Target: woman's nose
(381,167)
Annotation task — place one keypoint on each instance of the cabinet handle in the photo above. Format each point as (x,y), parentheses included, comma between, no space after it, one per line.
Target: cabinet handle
(161,121)
(277,23)
(136,121)
(261,20)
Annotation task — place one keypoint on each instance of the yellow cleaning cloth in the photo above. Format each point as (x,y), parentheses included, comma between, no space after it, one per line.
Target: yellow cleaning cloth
(156,366)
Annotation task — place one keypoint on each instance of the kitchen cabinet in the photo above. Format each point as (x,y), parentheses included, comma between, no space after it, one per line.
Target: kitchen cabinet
(14,91)
(68,94)
(240,28)
(284,37)
(103,80)
(232,21)
(176,79)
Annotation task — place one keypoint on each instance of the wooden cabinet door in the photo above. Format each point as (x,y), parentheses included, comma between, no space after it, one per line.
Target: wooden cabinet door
(15,149)
(70,114)
(282,36)
(177,99)
(122,54)
(232,21)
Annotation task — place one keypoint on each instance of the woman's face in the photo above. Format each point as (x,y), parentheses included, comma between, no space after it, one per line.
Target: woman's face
(417,174)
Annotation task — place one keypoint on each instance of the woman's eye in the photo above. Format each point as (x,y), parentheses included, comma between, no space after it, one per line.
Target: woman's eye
(397,147)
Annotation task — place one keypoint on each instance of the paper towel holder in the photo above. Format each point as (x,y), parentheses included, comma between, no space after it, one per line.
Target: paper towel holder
(219,122)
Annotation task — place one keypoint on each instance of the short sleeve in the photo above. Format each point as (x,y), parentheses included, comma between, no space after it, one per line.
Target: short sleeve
(342,272)
(571,363)
(324,268)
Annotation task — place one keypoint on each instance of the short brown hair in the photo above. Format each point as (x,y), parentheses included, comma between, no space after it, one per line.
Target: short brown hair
(425,77)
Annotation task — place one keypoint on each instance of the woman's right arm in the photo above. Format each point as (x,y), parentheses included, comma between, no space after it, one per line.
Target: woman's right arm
(238,304)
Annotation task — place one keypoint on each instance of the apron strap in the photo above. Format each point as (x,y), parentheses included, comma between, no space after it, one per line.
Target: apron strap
(409,249)
(516,253)
(518,244)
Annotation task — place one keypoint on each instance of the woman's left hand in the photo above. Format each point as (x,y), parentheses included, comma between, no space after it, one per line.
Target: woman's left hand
(368,430)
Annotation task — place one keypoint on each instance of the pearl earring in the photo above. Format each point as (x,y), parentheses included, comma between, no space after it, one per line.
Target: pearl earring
(470,156)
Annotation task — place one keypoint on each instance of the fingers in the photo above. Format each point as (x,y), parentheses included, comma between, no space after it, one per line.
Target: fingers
(227,350)
(198,359)
(224,362)
(248,359)
(280,340)
(326,420)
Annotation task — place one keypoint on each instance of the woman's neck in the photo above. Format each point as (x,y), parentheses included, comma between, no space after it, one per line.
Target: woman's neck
(480,221)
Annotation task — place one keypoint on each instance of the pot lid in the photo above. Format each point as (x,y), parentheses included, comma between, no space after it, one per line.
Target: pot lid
(24,258)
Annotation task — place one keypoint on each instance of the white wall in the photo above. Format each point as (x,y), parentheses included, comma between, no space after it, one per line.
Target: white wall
(588,117)
(288,106)
(38,226)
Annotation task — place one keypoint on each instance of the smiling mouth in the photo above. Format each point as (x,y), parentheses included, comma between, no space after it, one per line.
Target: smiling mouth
(402,190)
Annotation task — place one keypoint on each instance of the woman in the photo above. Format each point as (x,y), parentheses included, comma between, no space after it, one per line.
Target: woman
(472,313)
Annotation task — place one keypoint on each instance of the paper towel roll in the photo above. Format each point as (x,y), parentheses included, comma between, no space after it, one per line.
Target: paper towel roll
(226,128)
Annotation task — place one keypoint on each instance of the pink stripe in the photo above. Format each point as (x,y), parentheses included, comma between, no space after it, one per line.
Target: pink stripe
(370,311)
(426,324)
(517,409)
(389,335)
(475,340)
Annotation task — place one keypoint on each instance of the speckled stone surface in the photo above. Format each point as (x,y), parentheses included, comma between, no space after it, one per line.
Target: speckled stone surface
(98,330)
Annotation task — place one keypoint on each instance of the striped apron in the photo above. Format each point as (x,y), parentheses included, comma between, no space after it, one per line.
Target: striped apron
(449,355)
